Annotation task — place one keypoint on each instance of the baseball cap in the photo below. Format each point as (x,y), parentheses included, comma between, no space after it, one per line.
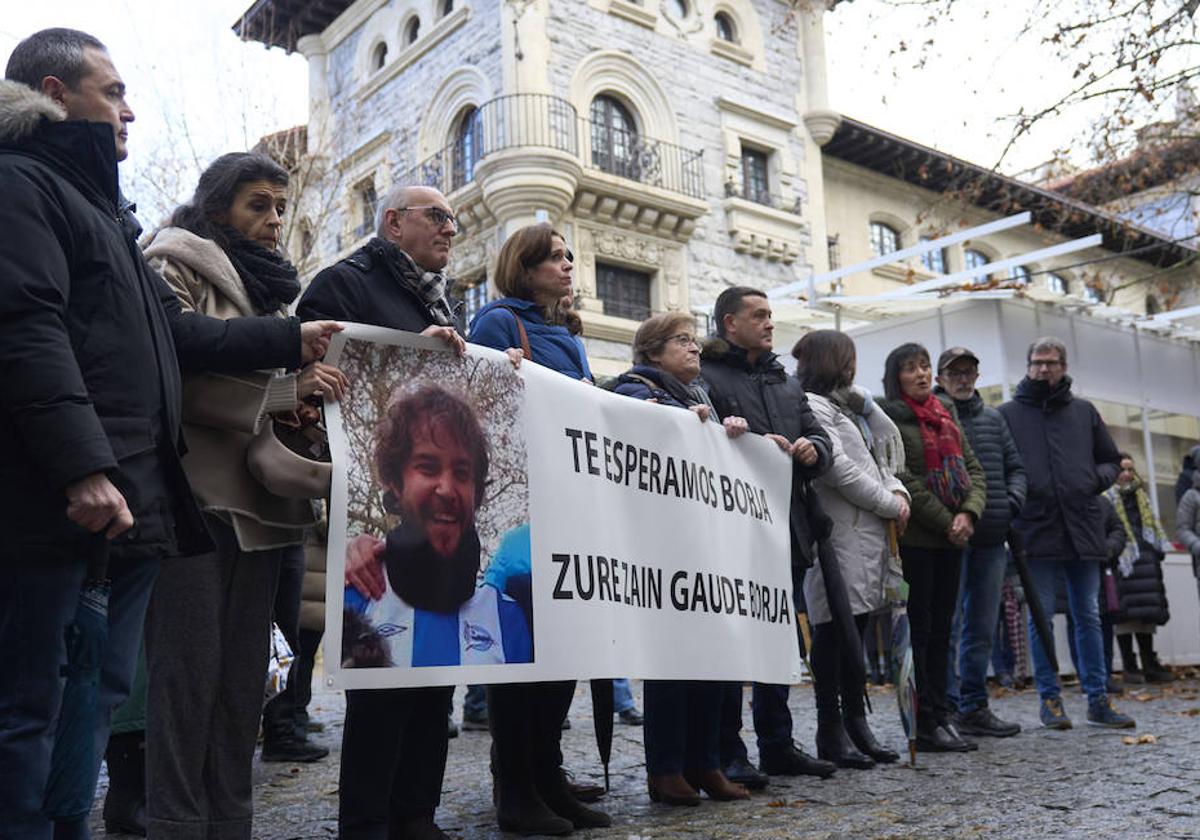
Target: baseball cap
(952,355)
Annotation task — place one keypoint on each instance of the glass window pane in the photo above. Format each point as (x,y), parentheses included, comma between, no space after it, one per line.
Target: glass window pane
(1019,273)
(625,292)
(1057,284)
(754,176)
(884,240)
(935,260)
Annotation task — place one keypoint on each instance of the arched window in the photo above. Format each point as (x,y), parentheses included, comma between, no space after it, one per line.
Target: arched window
(379,56)
(614,138)
(1153,307)
(1057,284)
(884,239)
(412,31)
(446,7)
(1093,294)
(1019,274)
(726,31)
(468,136)
(680,8)
(975,259)
(935,260)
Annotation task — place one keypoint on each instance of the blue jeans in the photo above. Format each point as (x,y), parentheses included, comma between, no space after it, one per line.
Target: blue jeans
(975,620)
(1083,587)
(39,590)
(622,696)
(475,703)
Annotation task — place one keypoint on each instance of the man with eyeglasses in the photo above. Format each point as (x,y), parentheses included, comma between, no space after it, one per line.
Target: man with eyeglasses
(985,558)
(1070,458)
(395,740)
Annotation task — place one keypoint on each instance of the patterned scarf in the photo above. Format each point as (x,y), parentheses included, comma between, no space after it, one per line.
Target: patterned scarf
(270,280)
(878,431)
(945,468)
(429,286)
(1152,533)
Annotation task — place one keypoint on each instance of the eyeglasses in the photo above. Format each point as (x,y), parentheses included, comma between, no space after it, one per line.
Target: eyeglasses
(435,214)
(683,340)
(1045,363)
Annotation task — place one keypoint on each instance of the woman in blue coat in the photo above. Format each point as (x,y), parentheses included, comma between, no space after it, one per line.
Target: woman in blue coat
(533,273)
(683,717)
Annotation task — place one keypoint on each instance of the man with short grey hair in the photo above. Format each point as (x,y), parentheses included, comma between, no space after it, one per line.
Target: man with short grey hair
(395,741)
(1070,459)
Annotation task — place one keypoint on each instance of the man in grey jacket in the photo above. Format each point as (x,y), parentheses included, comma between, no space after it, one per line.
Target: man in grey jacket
(985,558)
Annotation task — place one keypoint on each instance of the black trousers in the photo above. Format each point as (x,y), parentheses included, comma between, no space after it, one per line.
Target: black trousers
(932,575)
(526,723)
(836,691)
(393,758)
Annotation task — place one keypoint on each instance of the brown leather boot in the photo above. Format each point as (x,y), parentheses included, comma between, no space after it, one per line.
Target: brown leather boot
(714,783)
(672,789)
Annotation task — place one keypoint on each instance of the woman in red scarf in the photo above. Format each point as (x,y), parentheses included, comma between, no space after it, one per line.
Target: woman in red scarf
(948,493)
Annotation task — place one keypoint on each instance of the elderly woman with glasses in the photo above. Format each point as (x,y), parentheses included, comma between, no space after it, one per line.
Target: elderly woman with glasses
(682,731)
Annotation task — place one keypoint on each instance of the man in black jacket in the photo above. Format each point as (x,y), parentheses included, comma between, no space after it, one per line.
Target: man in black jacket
(985,558)
(395,741)
(1070,458)
(745,379)
(91,345)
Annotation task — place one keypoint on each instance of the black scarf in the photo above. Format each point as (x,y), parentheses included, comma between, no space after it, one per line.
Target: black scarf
(270,280)
(426,580)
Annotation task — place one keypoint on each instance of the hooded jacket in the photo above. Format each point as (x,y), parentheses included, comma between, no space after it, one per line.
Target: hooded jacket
(1187,522)
(1070,458)
(92,340)
(992,442)
(773,403)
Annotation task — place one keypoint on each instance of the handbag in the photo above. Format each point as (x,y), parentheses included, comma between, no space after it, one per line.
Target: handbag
(279,664)
(1112,599)
(291,461)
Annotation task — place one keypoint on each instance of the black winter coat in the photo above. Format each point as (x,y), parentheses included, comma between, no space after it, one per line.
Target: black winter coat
(362,288)
(987,432)
(1143,594)
(92,340)
(1114,543)
(772,403)
(1070,458)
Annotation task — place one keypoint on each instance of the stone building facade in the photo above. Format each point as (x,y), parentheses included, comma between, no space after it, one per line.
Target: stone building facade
(681,146)
(671,141)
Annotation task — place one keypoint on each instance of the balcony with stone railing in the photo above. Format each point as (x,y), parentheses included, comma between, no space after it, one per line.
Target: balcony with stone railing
(527,152)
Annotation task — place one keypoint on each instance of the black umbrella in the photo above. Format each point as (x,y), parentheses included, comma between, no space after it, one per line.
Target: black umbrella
(842,614)
(72,782)
(602,715)
(1041,621)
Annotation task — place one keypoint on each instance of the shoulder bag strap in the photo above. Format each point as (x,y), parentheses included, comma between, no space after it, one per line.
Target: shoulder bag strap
(521,332)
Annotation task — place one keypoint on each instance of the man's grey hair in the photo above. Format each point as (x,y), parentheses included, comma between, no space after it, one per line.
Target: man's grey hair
(1045,343)
(51,52)
(397,196)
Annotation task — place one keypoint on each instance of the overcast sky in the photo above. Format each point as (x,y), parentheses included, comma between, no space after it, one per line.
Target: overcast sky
(197,90)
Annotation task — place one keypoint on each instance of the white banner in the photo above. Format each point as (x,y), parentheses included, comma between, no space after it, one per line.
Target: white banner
(509,525)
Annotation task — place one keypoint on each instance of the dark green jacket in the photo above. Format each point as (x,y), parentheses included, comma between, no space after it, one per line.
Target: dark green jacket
(930,517)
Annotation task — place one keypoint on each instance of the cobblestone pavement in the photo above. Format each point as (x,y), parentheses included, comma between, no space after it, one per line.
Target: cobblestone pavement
(1083,783)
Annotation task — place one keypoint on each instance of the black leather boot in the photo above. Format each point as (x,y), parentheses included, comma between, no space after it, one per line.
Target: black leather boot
(863,738)
(125,803)
(833,744)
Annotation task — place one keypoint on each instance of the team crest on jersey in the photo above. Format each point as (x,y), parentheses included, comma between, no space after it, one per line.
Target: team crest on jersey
(389,629)
(476,637)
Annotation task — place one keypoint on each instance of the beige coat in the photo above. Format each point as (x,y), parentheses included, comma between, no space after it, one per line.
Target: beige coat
(223,412)
(860,499)
(312,593)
